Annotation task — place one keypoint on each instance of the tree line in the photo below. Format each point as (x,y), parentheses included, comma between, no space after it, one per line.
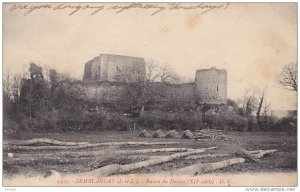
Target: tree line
(45,100)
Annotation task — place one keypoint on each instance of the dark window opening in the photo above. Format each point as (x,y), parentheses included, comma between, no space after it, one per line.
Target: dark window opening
(217,88)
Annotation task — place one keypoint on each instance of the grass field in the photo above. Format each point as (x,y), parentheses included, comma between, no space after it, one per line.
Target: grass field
(284,160)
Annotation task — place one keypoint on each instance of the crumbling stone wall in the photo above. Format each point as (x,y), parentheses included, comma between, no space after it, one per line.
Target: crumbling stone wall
(88,70)
(210,86)
(114,68)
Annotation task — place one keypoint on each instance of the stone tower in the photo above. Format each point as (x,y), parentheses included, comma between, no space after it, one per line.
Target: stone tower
(114,68)
(211,86)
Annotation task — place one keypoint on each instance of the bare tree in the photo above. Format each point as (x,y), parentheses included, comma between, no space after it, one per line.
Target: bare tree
(147,87)
(288,77)
(266,108)
(144,89)
(166,75)
(249,106)
(260,105)
(16,87)
(7,86)
(11,86)
(249,102)
(160,73)
(261,101)
(152,71)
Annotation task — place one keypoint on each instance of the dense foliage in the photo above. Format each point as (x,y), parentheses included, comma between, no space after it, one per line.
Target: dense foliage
(46,101)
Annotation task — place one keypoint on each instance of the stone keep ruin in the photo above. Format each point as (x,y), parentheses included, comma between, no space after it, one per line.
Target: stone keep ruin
(209,87)
(114,68)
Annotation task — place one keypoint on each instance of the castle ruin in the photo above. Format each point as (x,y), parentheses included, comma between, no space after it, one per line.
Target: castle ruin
(114,68)
(209,87)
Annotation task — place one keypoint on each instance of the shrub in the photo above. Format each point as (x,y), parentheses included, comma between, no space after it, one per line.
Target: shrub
(115,121)
(287,124)
(10,127)
(60,120)
(170,121)
(226,119)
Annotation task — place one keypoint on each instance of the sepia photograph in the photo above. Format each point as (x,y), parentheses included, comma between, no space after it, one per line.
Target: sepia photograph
(149,94)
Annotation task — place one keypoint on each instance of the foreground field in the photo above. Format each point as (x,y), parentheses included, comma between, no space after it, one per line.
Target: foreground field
(283,160)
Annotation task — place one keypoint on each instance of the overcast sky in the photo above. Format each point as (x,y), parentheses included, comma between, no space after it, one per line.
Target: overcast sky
(251,41)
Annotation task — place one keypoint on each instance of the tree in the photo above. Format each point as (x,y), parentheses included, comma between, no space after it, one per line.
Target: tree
(53,77)
(147,87)
(166,75)
(33,91)
(16,86)
(266,108)
(161,73)
(7,82)
(136,94)
(11,91)
(249,102)
(249,106)
(152,71)
(288,77)
(262,99)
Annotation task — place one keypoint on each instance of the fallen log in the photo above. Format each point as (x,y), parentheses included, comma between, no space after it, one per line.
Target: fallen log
(257,154)
(205,134)
(202,133)
(117,169)
(203,137)
(128,152)
(85,146)
(193,157)
(210,130)
(235,147)
(42,141)
(201,168)
(247,155)
(262,153)
(44,160)
(80,154)
(73,157)
(210,137)
(254,151)
(205,140)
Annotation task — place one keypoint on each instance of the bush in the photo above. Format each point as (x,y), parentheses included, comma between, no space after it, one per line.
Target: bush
(170,121)
(64,121)
(115,121)
(10,127)
(94,121)
(226,119)
(287,124)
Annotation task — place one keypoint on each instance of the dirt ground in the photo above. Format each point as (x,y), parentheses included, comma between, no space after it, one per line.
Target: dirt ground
(284,160)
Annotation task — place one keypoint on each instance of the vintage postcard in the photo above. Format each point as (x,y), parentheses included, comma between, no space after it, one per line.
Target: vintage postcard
(150,94)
